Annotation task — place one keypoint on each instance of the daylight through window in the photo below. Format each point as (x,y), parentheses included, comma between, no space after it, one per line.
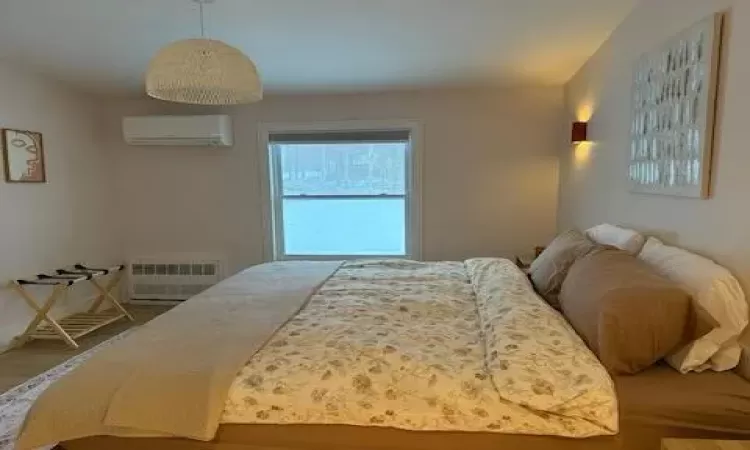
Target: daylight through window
(340,194)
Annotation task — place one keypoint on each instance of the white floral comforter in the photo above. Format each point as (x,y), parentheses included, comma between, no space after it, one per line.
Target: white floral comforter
(428,346)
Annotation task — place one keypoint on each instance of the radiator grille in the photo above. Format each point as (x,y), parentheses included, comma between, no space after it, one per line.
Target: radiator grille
(172,280)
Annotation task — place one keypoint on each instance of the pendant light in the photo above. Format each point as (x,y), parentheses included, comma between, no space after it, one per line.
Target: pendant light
(203,72)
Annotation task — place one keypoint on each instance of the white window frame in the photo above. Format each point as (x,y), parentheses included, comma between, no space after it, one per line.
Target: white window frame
(270,188)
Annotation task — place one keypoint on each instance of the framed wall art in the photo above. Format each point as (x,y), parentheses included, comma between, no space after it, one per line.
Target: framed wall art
(674,107)
(23,156)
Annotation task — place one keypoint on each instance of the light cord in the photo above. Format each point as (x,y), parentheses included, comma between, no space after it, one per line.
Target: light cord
(203,29)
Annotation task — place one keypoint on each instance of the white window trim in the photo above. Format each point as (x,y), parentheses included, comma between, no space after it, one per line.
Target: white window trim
(414,180)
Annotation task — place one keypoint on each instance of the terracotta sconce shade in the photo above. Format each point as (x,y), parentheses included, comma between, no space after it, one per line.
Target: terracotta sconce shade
(580,132)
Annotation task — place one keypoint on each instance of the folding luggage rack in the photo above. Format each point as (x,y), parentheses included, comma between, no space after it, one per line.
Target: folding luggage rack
(73,327)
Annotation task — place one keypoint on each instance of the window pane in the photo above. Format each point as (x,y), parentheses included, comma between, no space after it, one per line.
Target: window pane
(343,168)
(344,226)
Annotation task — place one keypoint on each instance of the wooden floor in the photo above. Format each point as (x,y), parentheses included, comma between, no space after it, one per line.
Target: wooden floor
(18,365)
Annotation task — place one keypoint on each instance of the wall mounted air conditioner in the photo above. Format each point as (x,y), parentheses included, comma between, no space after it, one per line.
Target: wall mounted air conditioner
(205,131)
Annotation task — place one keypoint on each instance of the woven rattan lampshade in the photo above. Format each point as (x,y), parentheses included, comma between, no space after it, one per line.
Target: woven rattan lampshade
(203,72)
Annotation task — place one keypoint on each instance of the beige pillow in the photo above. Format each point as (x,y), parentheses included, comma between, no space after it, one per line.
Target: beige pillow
(548,271)
(629,315)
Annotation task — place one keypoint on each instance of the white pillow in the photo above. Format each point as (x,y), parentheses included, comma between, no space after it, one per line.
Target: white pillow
(629,240)
(716,293)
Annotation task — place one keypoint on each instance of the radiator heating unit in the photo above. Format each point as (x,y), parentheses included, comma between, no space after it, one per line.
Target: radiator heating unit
(153,280)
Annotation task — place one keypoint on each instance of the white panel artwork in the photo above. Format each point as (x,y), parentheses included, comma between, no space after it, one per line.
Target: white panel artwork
(674,100)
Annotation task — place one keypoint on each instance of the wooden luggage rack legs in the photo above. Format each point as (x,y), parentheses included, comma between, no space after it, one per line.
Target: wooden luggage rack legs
(71,328)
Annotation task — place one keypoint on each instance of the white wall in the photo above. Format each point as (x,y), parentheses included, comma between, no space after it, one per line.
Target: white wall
(489,172)
(594,186)
(66,220)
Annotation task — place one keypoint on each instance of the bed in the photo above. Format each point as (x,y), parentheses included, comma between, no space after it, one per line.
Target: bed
(653,405)
(404,355)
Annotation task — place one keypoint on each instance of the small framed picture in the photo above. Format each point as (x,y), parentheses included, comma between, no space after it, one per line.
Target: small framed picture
(23,155)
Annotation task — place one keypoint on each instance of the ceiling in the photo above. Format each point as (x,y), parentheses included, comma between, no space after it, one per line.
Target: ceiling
(103,46)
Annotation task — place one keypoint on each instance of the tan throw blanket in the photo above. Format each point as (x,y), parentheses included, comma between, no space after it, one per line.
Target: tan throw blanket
(171,377)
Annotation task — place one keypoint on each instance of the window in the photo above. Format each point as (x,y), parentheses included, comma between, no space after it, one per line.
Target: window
(341,193)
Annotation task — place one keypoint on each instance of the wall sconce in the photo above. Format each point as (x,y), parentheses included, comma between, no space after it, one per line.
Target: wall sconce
(580,132)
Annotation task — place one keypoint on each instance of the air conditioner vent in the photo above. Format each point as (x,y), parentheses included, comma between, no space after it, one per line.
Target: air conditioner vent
(200,131)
